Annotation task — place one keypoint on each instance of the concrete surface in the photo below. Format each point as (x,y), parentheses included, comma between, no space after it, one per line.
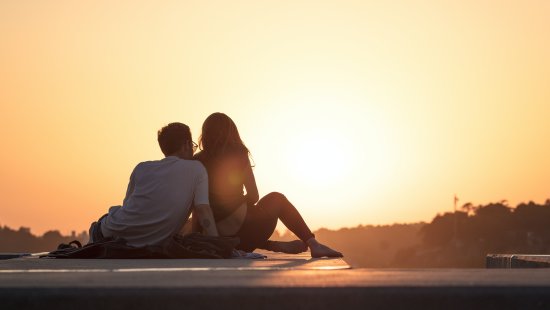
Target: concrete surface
(280,282)
(517,261)
(12,255)
(275,261)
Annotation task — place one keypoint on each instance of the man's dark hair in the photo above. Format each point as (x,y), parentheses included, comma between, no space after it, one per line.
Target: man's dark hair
(172,137)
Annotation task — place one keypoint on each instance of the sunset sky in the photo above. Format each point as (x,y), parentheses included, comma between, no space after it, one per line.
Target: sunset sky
(360,112)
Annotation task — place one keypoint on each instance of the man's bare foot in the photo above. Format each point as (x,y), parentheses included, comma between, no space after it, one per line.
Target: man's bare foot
(289,247)
(320,250)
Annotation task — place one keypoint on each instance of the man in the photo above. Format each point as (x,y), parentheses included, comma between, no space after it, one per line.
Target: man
(161,195)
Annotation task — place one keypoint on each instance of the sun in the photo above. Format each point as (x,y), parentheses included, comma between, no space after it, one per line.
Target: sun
(313,158)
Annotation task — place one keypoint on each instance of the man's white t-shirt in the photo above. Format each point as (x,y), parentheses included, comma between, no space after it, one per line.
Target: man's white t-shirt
(158,201)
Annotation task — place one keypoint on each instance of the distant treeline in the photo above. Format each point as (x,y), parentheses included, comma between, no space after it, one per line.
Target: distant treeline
(23,241)
(455,239)
(463,238)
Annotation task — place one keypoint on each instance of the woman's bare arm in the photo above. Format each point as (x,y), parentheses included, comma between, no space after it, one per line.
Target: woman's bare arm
(252,195)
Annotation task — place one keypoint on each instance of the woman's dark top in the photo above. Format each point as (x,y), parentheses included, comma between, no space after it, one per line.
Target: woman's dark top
(226,176)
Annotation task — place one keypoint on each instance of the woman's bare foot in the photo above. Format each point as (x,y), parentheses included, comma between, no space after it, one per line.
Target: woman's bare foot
(320,250)
(289,247)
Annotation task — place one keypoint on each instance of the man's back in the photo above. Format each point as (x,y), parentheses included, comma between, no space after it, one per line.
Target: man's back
(158,201)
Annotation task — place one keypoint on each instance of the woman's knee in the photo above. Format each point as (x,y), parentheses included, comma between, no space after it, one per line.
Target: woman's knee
(273,203)
(275,196)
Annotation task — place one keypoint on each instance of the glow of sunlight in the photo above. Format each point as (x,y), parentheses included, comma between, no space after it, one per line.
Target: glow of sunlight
(311,158)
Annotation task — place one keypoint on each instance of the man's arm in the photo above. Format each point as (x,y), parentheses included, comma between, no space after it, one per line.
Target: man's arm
(206,219)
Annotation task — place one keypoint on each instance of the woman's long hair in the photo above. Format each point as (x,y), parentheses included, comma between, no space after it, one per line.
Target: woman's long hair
(220,136)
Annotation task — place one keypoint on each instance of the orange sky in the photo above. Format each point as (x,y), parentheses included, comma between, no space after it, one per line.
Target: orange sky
(361,112)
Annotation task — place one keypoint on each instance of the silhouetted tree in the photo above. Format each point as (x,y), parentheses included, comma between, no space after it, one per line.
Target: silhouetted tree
(469,208)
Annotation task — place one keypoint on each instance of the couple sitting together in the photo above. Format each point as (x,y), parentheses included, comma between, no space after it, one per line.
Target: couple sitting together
(162,195)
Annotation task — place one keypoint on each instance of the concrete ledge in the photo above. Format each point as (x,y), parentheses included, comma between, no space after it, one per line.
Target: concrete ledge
(279,282)
(517,261)
(318,298)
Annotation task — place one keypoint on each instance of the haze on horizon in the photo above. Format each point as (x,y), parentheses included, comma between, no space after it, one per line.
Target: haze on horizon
(361,112)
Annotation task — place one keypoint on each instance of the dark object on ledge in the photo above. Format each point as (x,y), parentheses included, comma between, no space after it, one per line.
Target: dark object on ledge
(517,261)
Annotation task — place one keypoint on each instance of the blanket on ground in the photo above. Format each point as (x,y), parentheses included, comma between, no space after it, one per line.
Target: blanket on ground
(194,245)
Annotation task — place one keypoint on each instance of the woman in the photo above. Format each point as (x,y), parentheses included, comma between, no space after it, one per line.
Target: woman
(226,159)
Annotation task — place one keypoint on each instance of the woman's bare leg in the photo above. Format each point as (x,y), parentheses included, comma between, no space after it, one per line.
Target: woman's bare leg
(320,250)
(289,215)
(289,247)
(261,220)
